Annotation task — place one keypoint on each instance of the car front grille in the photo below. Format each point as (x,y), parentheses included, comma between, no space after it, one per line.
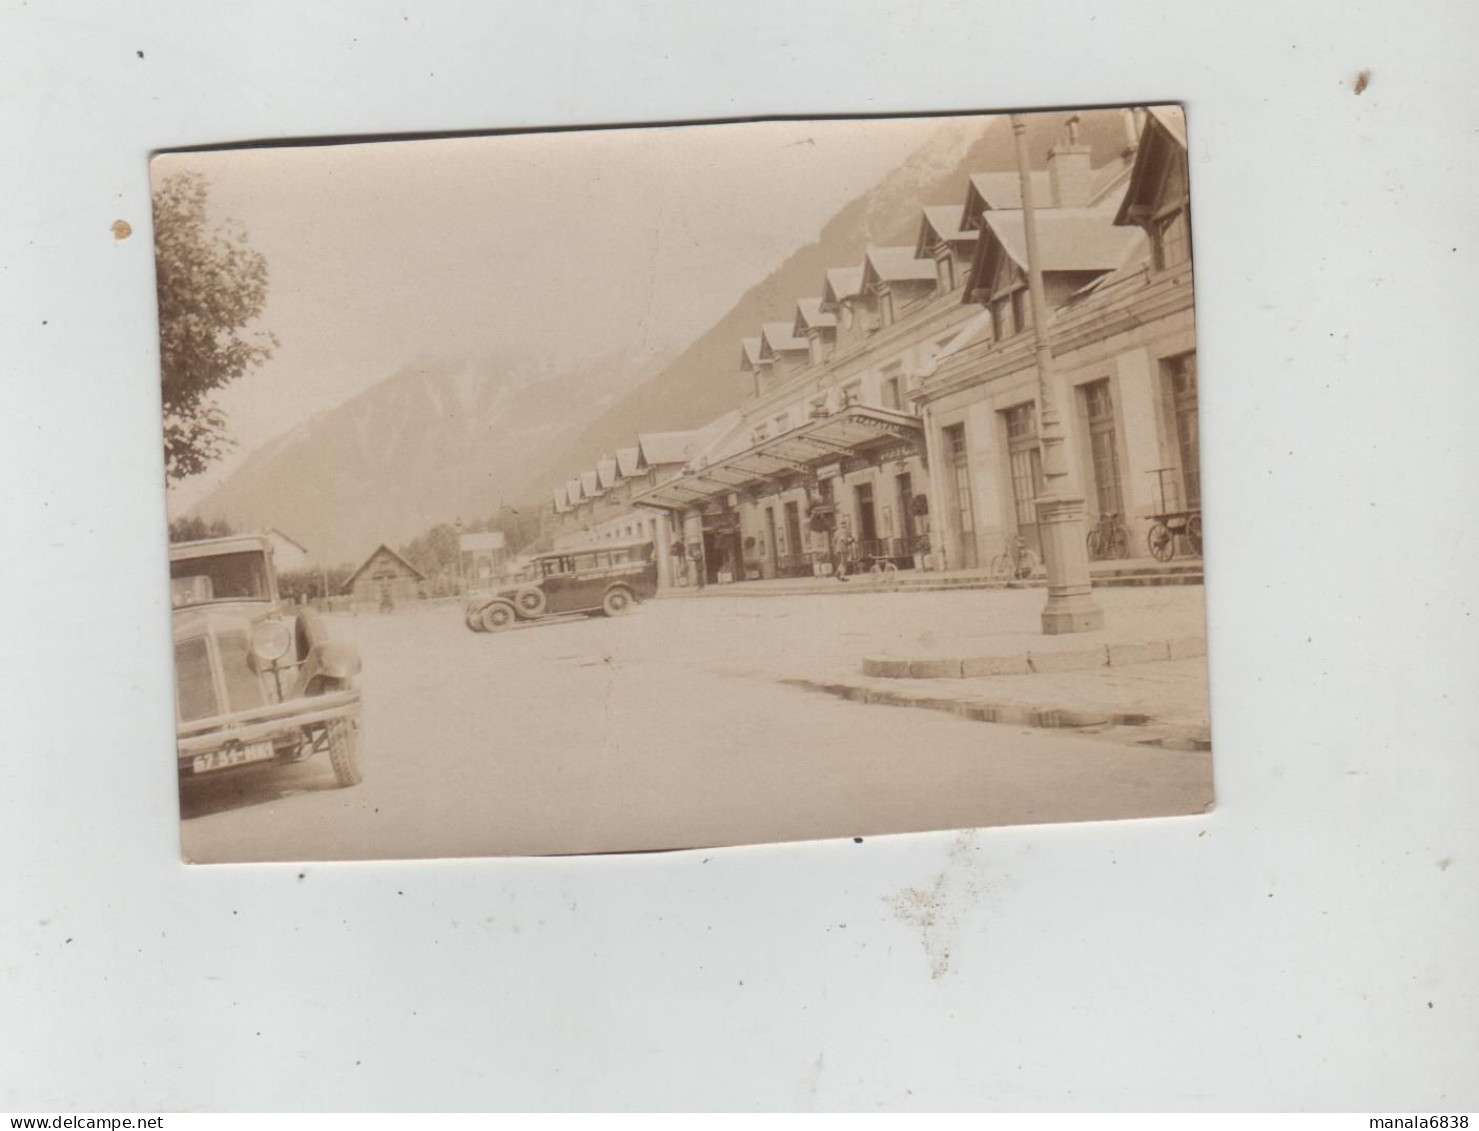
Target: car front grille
(194,687)
(243,685)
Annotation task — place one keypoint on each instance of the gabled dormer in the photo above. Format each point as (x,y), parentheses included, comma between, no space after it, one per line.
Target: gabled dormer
(1076,246)
(562,500)
(842,298)
(1157,200)
(893,279)
(629,462)
(817,327)
(606,474)
(782,350)
(590,485)
(942,241)
(993,192)
(751,362)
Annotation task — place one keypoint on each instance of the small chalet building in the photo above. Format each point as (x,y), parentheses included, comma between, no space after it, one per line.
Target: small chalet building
(385,581)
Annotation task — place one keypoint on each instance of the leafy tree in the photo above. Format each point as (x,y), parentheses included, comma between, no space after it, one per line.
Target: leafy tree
(211,285)
(313,584)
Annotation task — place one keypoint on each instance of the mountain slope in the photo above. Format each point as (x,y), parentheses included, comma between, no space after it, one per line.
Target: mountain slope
(428,444)
(438,440)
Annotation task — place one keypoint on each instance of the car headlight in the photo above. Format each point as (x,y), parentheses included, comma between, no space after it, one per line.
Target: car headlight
(271,641)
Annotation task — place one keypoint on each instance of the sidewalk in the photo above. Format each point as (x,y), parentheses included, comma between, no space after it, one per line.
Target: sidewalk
(1123,573)
(982,656)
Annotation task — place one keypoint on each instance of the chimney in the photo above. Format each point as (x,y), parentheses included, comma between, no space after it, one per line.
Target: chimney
(1070,172)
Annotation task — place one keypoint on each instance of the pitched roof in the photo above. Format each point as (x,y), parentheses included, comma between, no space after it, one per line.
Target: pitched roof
(1165,128)
(376,553)
(779,337)
(992,191)
(628,462)
(749,354)
(562,499)
(573,491)
(668,447)
(1172,120)
(606,472)
(590,484)
(809,313)
(895,265)
(940,223)
(996,192)
(842,282)
(1068,239)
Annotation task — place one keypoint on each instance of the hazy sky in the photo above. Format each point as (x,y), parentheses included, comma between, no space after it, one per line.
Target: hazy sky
(564,243)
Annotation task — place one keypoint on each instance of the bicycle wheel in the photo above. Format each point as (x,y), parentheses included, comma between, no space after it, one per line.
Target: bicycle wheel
(1161,542)
(1029,563)
(1194,534)
(1120,548)
(1095,544)
(1001,568)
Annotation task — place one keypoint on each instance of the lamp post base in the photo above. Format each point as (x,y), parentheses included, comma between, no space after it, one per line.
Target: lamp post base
(1070,606)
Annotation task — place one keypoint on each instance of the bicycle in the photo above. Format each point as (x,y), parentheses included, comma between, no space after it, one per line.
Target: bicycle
(1109,538)
(1019,562)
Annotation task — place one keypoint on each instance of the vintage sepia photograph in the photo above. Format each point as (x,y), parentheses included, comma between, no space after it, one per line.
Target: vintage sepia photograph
(640,489)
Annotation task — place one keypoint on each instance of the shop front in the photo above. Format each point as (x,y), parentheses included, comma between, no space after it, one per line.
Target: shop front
(784,506)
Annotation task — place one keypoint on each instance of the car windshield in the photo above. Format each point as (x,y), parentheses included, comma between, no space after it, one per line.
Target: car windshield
(221,577)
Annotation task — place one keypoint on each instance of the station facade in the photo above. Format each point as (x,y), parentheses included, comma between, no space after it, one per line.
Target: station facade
(896,409)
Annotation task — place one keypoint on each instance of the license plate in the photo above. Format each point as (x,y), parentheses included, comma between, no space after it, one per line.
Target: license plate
(231,756)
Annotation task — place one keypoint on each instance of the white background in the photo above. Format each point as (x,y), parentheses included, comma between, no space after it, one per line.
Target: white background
(1309,944)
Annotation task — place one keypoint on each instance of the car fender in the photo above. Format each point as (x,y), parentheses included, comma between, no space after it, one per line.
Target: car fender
(331,660)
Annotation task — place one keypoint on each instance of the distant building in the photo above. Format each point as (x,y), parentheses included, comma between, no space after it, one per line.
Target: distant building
(288,555)
(384,581)
(484,557)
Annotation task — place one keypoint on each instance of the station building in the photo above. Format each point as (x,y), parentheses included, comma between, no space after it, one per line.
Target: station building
(897,406)
(1117,275)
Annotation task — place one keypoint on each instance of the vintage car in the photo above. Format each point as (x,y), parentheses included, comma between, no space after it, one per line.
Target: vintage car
(609,579)
(254,685)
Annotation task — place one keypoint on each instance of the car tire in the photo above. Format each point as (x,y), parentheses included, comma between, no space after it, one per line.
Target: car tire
(618,602)
(473,618)
(309,632)
(497,616)
(343,737)
(530,601)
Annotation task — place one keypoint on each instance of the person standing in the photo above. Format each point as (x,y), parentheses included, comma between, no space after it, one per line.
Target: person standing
(842,549)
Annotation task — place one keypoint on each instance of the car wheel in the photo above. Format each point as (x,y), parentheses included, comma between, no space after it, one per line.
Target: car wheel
(473,618)
(530,601)
(498,616)
(617,602)
(343,739)
(309,632)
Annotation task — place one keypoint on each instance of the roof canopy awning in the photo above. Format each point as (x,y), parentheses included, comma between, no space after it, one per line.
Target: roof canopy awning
(850,432)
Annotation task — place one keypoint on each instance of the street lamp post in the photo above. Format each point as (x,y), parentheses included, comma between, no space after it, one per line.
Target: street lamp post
(1060,506)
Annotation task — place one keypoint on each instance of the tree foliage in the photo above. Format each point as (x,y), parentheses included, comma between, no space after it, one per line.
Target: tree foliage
(193,529)
(212,285)
(313,584)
